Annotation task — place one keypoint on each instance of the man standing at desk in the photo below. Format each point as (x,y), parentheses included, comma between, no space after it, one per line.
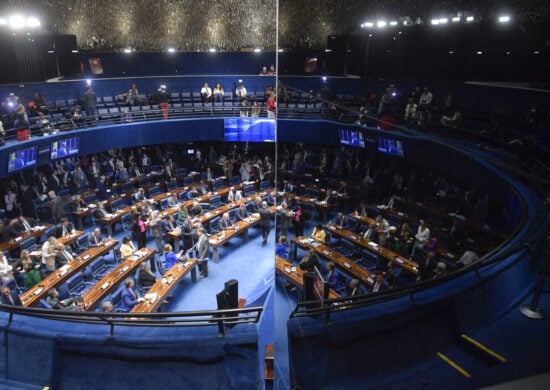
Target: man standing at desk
(265,221)
(202,247)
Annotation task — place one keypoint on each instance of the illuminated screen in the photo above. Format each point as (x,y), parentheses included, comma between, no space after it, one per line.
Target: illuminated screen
(352,138)
(64,147)
(390,146)
(22,159)
(249,130)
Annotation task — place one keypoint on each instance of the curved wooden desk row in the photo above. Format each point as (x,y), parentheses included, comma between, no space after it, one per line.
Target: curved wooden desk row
(295,275)
(162,288)
(127,268)
(14,244)
(338,259)
(373,247)
(65,240)
(32,296)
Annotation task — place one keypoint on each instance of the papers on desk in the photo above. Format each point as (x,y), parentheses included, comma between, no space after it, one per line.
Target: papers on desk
(125,268)
(17,239)
(133,257)
(326,253)
(400,261)
(65,267)
(105,285)
(92,205)
(353,237)
(237,227)
(38,290)
(374,245)
(207,214)
(347,265)
(323,202)
(307,241)
(64,272)
(109,215)
(315,244)
(150,296)
(86,257)
(36,253)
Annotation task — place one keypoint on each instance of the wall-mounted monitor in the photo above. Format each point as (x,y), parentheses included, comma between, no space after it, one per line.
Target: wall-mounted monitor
(390,146)
(20,159)
(249,130)
(352,138)
(64,148)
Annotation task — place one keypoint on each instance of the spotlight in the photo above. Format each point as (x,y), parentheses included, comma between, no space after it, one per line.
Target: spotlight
(171,50)
(456,19)
(504,19)
(435,22)
(257,50)
(88,82)
(212,50)
(469,19)
(369,24)
(163,87)
(443,20)
(33,22)
(393,23)
(17,21)
(324,78)
(381,23)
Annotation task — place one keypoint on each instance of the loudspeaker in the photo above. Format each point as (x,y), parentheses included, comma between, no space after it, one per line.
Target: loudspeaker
(232,294)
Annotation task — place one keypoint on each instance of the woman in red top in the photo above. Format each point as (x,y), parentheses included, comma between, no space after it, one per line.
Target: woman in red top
(270,106)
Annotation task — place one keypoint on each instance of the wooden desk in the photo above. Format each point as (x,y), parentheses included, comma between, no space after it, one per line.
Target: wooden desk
(221,238)
(16,243)
(295,275)
(338,259)
(103,287)
(360,219)
(171,277)
(371,246)
(66,240)
(323,207)
(59,276)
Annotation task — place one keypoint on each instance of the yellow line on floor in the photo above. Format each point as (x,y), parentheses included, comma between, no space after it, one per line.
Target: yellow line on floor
(484,348)
(454,365)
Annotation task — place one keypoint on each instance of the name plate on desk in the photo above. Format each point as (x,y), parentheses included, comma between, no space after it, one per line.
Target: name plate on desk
(125,268)
(346,264)
(353,237)
(39,290)
(105,285)
(86,257)
(17,239)
(400,261)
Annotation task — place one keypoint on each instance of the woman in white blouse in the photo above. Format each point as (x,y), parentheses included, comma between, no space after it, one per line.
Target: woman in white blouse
(6,271)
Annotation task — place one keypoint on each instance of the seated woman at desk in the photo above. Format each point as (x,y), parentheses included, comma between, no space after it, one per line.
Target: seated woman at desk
(319,234)
(127,249)
(146,277)
(170,257)
(29,267)
(129,297)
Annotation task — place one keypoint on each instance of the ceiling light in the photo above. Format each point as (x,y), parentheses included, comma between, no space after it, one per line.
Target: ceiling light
(171,50)
(17,21)
(504,19)
(479,53)
(257,50)
(393,23)
(127,50)
(212,50)
(456,19)
(435,22)
(33,22)
(3,21)
(281,50)
(381,23)
(369,24)
(469,19)
(443,20)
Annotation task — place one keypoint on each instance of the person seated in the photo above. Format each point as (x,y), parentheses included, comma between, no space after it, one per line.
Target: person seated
(206,93)
(452,120)
(40,104)
(63,256)
(410,111)
(11,231)
(140,196)
(76,114)
(64,228)
(332,278)
(107,307)
(95,239)
(173,201)
(319,234)
(340,222)
(6,270)
(100,212)
(200,189)
(78,305)
(244,109)
(240,92)
(9,297)
(242,213)
(440,270)
(132,96)
(379,283)
(309,261)
(168,225)
(44,124)
(281,247)
(127,249)
(78,203)
(146,277)
(29,267)
(255,110)
(53,299)
(234,195)
(195,210)
(218,93)
(271,198)
(225,223)
(355,288)
(272,70)
(170,257)
(264,71)
(129,298)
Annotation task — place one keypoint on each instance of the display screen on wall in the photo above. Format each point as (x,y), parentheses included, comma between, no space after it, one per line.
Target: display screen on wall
(249,130)
(22,159)
(64,147)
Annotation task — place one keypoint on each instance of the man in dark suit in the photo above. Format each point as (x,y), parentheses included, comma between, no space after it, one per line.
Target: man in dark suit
(95,238)
(9,297)
(225,223)
(202,246)
(100,211)
(265,221)
(79,178)
(331,278)
(168,225)
(25,224)
(64,228)
(28,196)
(10,231)
(101,188)
(63,256)
(355,288)
(242,213)
(187,233)
(56,204)
(426,267)
(379,283)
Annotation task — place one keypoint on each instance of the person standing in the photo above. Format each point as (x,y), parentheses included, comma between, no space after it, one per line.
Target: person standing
(202,246)
(90,99)
(265,221)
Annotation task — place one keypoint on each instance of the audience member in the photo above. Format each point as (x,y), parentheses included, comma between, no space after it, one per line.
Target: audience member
(206,93)
(218,93)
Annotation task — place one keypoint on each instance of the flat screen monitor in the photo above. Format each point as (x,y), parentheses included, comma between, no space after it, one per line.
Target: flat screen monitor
(390,146)
(20,159)
(249,130)
(352,138)
(320,288)
(64,148)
